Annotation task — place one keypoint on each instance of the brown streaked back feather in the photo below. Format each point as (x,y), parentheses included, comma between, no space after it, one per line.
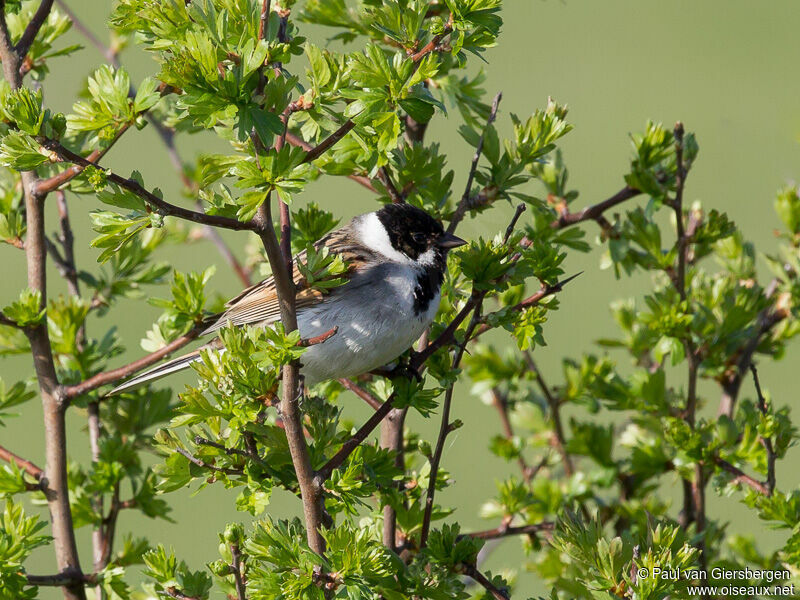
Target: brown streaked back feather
(258,304)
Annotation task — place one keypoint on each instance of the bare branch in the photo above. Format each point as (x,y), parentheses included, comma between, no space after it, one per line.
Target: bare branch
(464,204)
(391,189)
(446,426)
(765,441)
(482,580)
(39,17)
(740,476)
(314,153)
(508,530)
(361,393)
(595,212)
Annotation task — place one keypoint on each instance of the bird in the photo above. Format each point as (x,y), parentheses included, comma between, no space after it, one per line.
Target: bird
(396,257)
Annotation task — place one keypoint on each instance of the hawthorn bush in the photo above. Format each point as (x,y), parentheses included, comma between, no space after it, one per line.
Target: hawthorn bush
(588,501)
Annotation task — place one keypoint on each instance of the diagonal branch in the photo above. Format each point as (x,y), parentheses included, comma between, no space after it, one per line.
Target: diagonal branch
(161,206)
(361,393)
(26,465)
(114,375)
(465,203)
(39,17)
(317,151)
(45,186)
(473,572)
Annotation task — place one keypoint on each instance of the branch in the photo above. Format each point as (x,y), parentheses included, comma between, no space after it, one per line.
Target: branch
(435,41)
(33,28)
(445,427)
(392,439)
(742,477)
(4,320)
(201,463)
(359,179)
(201,441)
(57,488)
(109,54)
(45,186)
(236,568)
(559,440)
(767,319)
(391,189)
(506,531)
(765,441)
(310,486)
(480,578)
(595,212)
(314,153)
(114,375)
(361,393)
(161,206)
(26,465)
(359,436)
(501,404)
(65,578)
(464,204)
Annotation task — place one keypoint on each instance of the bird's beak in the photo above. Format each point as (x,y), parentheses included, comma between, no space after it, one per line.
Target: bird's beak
(448,240)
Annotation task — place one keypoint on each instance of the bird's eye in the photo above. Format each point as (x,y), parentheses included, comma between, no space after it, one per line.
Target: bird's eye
(419,237)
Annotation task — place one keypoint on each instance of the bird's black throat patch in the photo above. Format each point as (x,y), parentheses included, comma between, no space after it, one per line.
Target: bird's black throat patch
(429,280)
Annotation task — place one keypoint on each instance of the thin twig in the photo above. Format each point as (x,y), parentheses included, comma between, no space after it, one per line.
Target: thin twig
(559,439)
(314,153)
(201,463)
(361,393)
(595,211)
(765,441)
(391,189)
(508,530)
(445,426)
(482,580)
(464,204)
(742,477)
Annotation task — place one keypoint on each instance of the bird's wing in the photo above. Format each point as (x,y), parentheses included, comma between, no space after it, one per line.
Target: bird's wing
(259,303)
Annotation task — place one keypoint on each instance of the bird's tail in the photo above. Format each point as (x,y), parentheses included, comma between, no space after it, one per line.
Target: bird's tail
(159,371)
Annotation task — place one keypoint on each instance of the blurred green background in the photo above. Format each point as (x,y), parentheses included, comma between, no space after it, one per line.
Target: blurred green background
(723,67)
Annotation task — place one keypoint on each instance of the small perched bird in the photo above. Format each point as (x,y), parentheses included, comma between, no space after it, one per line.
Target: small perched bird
(396,257)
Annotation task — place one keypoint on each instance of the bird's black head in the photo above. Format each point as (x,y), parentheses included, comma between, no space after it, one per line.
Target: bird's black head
(413,232)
